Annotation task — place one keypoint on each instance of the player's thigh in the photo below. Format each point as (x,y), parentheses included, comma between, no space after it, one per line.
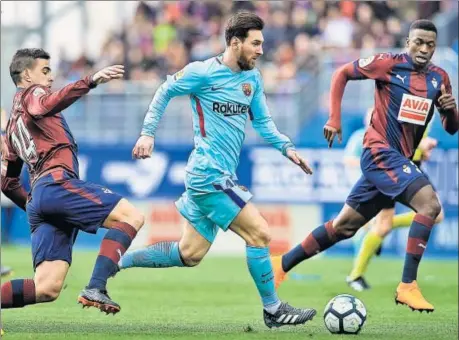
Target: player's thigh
(197,220)
(363,203)
(52,256)
(193,246)
(79,204)
(392,174)
(220,202)
(384,221)
(251,226)
(52,243)
(124,211)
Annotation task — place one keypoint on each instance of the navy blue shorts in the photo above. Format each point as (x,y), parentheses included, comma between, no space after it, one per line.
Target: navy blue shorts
(60,206)
(387,176)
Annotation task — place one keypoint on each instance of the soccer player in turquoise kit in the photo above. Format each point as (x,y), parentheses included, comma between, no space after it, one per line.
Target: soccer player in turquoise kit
(224,91)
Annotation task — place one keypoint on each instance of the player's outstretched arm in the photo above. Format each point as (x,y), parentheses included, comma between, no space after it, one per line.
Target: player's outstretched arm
(39,101)
(185,82)
(374,67)
(447,107)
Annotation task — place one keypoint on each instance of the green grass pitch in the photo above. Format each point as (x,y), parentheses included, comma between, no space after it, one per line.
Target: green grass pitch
(218,300)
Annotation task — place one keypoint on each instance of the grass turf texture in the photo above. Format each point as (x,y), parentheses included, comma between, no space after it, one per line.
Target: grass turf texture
(218,300)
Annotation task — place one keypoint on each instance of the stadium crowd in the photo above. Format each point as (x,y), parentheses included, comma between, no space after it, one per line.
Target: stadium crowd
(163,37)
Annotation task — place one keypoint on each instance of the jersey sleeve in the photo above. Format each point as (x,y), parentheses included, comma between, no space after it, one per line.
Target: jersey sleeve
(185,82)
(10,173)
(39,100)
(375,67)
(263,122)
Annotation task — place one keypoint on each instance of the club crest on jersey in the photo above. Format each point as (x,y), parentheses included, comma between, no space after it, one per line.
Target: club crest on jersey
(38,92)
(414,109)
(179,74)
(434,83)
(247,89)
(243,188)
(366,61)
(406,169)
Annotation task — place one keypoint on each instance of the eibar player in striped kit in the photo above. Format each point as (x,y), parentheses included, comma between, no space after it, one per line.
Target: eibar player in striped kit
(408,86)
(224,92)
(386,220)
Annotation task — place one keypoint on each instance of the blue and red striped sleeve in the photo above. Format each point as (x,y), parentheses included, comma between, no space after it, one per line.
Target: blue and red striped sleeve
(375,67)
(39,100)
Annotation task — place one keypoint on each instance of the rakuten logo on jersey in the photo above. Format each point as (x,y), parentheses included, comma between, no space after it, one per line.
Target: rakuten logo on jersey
(230,109)
(414,109)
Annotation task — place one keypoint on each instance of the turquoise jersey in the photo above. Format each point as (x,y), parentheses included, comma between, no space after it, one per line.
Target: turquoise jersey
(221,100)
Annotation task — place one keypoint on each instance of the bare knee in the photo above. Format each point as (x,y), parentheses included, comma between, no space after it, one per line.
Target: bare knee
(138,220)
(191,255)
(134,218)
(431,208)
(259,235)
(127,213)
(440,217)
(48,291)
(348,222)
(426,202)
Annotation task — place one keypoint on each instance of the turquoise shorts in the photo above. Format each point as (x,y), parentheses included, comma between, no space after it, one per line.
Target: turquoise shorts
(209,206)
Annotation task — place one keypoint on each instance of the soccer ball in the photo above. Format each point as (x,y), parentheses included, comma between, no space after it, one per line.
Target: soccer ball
(345,314)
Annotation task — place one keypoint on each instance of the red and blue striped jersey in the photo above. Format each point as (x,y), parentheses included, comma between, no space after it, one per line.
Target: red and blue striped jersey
(404,100)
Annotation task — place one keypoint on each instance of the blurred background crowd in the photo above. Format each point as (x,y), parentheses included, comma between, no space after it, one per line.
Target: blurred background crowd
(163,37)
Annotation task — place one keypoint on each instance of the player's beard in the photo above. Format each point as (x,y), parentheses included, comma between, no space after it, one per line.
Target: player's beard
(244,63)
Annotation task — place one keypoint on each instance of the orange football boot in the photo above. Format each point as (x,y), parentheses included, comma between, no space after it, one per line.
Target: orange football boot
(279,274)
(409,294)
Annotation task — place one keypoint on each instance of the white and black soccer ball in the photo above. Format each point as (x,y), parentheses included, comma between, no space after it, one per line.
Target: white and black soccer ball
(345,314)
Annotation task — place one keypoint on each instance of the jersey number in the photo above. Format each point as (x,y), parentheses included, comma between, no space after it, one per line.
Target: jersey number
(24,143)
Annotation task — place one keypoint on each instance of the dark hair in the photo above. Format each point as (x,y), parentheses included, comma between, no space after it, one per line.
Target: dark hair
(423,24)
(240,24)
(24,58)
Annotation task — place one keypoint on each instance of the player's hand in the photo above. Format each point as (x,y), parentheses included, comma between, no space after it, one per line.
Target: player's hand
(298,160)
(426,146)
(108,73)
(330,133)
(446,100)
(144,147)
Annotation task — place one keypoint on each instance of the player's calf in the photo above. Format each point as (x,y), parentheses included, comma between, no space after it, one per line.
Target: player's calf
(123,222)
(48,292)
(344,226)
(188,252)
(49,280)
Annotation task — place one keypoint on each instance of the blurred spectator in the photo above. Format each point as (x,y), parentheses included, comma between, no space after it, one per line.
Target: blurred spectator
(162,37)
(338,29)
